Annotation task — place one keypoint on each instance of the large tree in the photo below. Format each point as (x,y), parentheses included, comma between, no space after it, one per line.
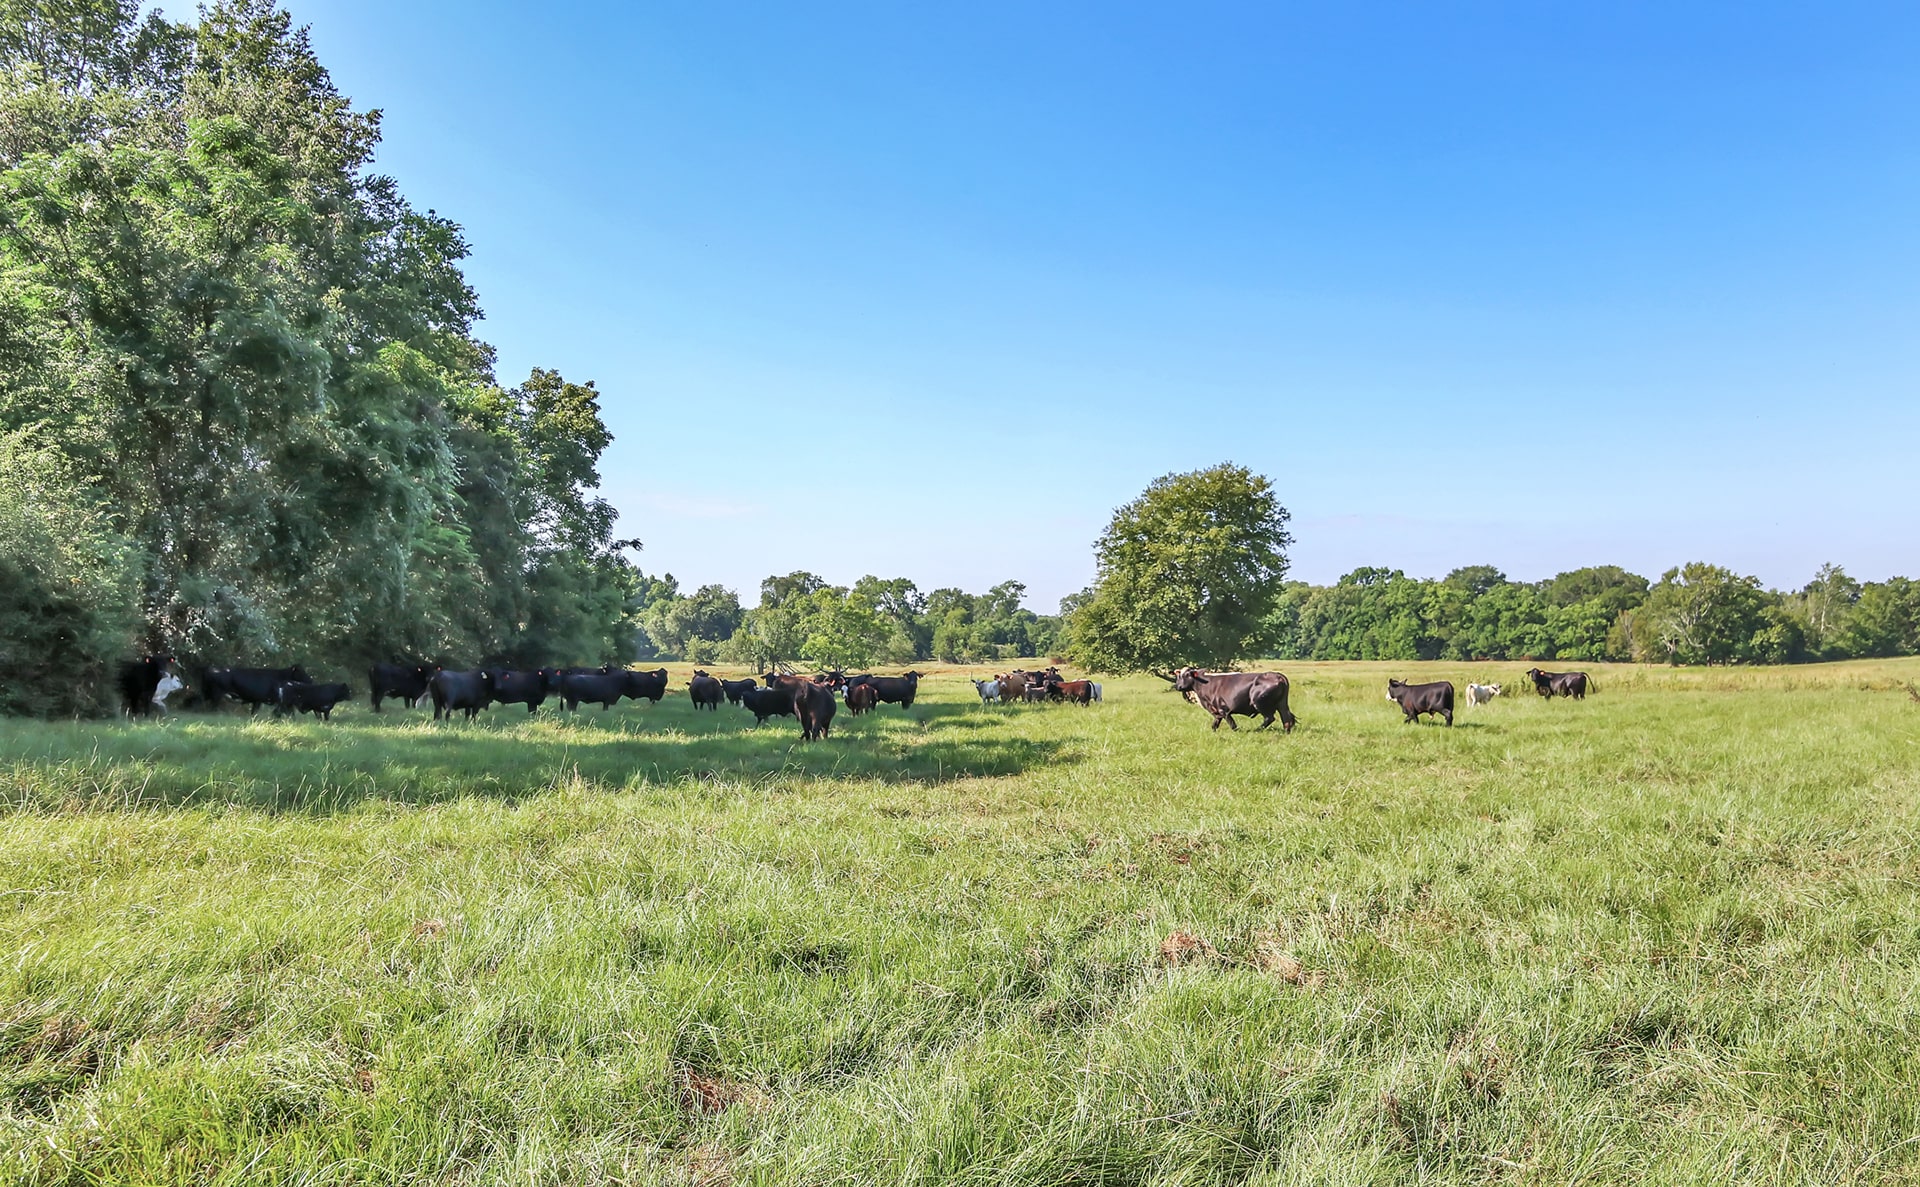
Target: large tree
(1187,574)
(264,358)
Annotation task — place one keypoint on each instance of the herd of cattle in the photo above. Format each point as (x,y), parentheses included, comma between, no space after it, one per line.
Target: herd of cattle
(145,685)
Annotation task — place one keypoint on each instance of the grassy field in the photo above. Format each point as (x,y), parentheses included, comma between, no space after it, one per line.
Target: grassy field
(1670,934)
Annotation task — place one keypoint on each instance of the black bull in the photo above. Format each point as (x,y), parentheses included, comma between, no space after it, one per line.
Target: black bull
(1566,684)
(1227,695)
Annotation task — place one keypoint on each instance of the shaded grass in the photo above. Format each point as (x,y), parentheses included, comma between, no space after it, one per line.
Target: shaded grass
(1667,934)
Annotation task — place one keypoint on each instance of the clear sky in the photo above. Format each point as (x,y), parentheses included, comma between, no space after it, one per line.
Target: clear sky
(927,290)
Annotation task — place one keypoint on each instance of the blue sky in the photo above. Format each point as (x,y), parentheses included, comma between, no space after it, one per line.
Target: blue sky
(881,288)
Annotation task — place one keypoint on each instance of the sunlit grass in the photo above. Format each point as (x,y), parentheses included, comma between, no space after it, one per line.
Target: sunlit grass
(1668,934)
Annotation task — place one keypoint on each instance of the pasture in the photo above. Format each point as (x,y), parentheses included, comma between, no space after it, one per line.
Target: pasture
(1670,934)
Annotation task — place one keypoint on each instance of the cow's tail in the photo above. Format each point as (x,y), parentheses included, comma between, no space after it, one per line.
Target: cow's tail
(1592,684)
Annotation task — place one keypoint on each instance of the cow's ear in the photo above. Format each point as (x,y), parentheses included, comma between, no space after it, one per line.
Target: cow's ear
(1199,679)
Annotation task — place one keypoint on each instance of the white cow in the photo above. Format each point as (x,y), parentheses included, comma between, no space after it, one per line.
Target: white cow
(1096,692)
(169,684)
(989,690)
(1480,694)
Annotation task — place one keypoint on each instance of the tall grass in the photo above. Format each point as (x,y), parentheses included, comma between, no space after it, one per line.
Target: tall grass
(1669,934)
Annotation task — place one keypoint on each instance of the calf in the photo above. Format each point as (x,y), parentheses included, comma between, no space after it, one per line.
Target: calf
(989,690)
(813,705)
(860,698)
(1415,699)
(317,699)
(733,688)
(465,691)
(1567,684)
(1227,695)
(1480,694)
(141,679)
(1034,693)
(255,686)
(704,691)
(169,684)
(406,681)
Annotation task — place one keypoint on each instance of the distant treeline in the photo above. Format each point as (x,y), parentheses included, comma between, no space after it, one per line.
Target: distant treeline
(1695,614)
(801,618)
(243,414)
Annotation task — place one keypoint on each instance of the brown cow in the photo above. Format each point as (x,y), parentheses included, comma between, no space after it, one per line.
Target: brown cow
(1080,692)
(860,698)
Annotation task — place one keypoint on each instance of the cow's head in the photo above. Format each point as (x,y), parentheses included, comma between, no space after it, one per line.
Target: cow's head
(1187,679)
(1394,687)
(1494,688)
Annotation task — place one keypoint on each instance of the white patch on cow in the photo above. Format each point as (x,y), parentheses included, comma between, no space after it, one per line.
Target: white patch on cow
(169,684)
(989,690)
(1096,692)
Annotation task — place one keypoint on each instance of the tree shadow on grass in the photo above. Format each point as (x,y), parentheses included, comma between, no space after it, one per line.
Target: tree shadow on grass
(315,766)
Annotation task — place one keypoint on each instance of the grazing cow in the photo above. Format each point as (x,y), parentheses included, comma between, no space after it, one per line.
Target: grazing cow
(140,679)
(1567,684)
(989,690)
(890,690)
(466,691)
(317,699)
(525,688)
(1415,699)
(773,701)
(1080,692)
(1096,693)
(813,705)
(1480,694)
(406,681)
(255,686)
(705,691)
(860,698)
(1227,695)
(169,684)
(733,688)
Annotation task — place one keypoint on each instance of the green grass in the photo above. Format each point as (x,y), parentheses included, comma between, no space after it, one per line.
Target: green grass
(1670,934)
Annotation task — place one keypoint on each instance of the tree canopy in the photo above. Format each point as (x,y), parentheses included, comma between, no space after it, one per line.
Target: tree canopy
(261,359)
(1187,574)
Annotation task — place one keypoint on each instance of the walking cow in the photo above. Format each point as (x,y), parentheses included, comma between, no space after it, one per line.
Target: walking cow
(1227,695)
(1416,699)
(1566,684)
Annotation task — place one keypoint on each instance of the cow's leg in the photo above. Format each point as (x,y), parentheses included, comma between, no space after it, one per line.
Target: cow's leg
(1266,721)
(1232,724)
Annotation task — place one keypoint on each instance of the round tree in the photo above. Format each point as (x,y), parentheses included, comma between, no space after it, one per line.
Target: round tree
(1187,574)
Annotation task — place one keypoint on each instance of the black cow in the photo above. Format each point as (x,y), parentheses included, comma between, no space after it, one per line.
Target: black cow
(255,686)
(1035,693)
(468,691)
(597,688)
(1227,695)
(773,701)
(891,690)
(704,691)
(1567,684)
(1415,699)
(139,680)
(648,686)
(525,688)
(406,681)
(733,688)
(813,705)
(317,699)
